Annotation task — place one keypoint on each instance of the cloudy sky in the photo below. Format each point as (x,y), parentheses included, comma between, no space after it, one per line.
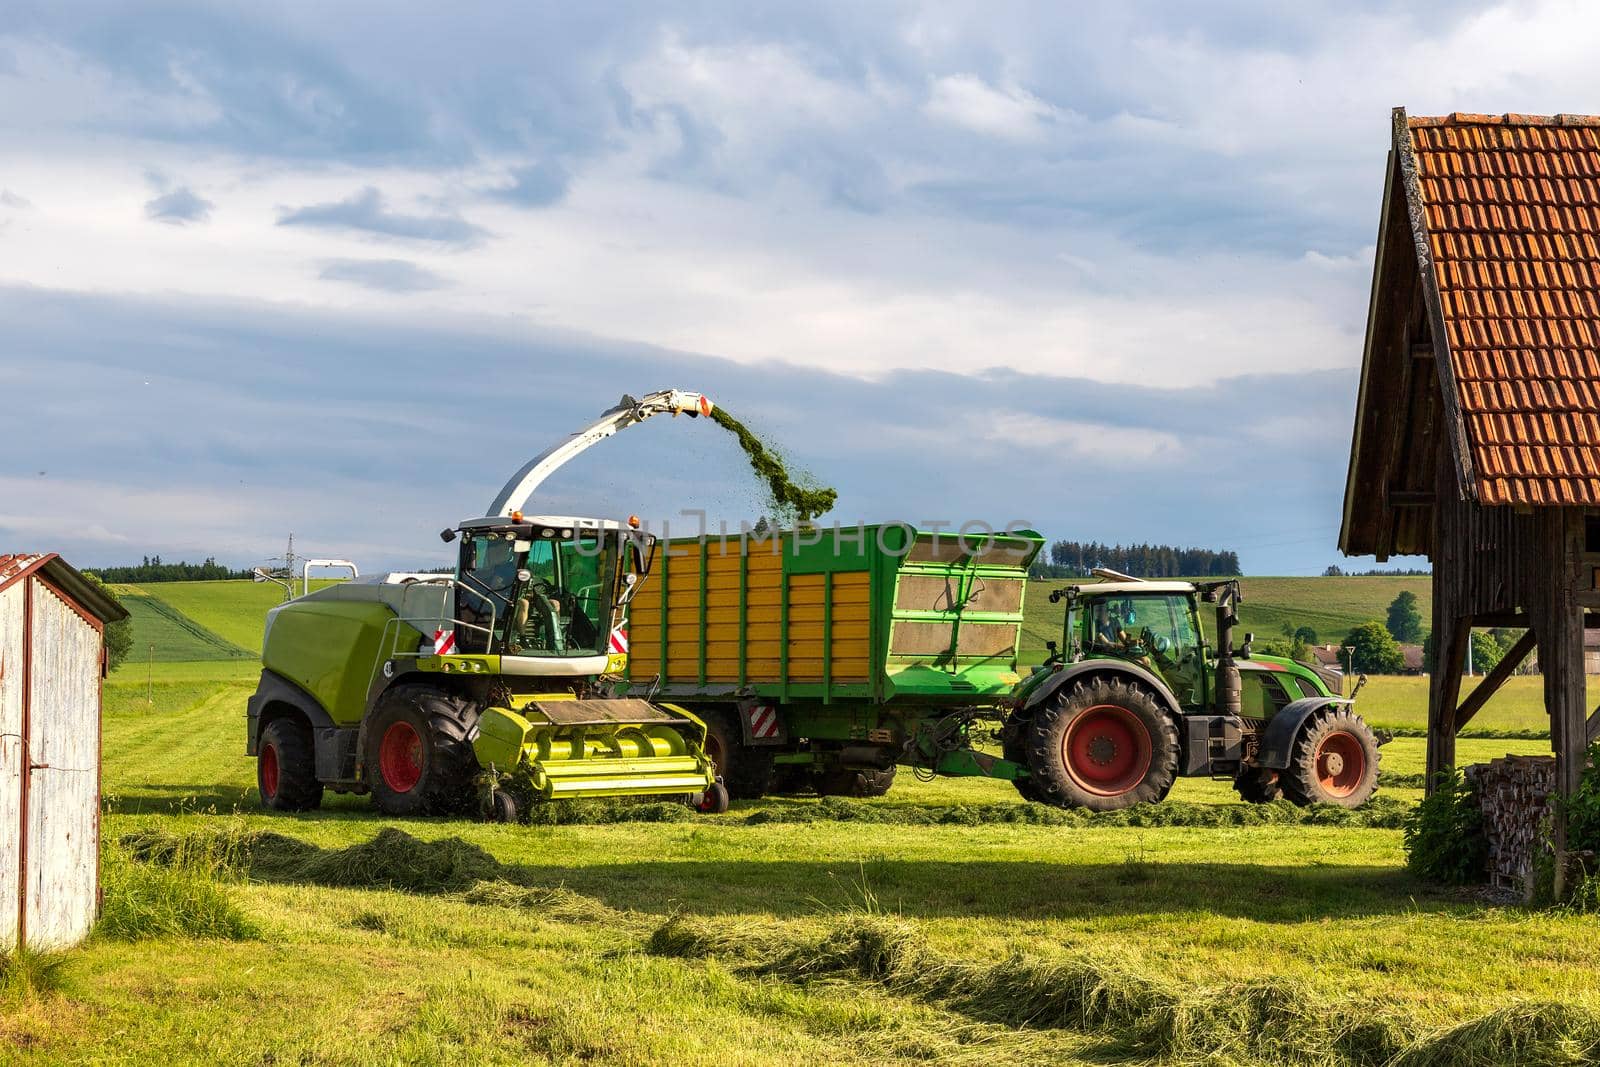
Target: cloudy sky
(340,269)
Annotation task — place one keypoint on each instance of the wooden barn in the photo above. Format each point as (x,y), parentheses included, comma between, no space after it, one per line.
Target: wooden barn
(52,659)
(1477,434)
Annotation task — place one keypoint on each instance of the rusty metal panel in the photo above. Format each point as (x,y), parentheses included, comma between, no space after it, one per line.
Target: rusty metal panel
(1003,596)
(928,592)
(12,757)
(987,639)
(63,790)
(599,712)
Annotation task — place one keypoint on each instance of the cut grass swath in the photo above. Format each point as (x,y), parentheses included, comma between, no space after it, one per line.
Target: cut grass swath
(1279,1021)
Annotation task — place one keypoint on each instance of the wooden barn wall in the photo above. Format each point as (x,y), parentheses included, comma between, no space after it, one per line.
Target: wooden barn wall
(12,760)
(63,797)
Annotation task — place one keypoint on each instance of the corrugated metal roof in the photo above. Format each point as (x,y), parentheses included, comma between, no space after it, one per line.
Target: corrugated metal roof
(14,565)
(1512,207)
(18,565)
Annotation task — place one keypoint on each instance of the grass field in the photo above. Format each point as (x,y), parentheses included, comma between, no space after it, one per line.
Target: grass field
(546,944)
(164,634)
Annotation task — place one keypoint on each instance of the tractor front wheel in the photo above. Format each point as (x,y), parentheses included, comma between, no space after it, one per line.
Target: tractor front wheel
(1103,745)
(1335,761)
(286,767)
(418,758)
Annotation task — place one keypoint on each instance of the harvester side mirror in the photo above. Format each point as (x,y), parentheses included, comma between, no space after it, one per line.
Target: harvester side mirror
(447,536)
(1249,639)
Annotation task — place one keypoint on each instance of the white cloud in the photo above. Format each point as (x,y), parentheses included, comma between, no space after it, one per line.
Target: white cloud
(1009,112)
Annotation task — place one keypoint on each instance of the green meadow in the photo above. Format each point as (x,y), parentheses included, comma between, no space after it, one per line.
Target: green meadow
(946,922)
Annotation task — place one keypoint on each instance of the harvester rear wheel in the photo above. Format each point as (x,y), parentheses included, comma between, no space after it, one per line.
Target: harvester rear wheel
(1335,761)
(418,758)
(286,767)
(746,770)
(855,782)
(1258,785)
(1104,744)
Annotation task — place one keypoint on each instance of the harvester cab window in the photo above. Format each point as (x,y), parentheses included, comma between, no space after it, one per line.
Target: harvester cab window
(563,603)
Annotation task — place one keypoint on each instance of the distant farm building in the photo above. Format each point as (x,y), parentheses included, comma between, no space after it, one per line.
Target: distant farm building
(52,660)
(1477,435)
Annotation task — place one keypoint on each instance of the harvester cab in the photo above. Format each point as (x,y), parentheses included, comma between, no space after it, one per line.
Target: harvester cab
(1134,697)
(491,687)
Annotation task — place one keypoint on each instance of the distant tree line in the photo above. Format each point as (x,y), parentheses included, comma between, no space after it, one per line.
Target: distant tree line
(1075,559)
(153,570)
(1335,571)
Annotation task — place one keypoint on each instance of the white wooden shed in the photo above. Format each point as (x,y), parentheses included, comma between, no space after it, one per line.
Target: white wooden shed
(52,660)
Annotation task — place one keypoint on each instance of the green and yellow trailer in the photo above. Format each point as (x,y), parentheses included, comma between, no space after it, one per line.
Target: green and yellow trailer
(823,658)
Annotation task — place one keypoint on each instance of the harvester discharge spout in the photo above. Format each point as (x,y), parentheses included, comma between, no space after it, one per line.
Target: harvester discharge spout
(627,412)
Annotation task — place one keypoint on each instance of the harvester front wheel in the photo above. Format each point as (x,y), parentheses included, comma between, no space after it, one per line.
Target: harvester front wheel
(745,769)
(418,758)
(1335,761)
(286,767)
(1104,744)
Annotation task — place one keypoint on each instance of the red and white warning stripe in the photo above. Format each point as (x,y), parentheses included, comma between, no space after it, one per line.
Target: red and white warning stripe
(444,642)
(763,721)
(619,641)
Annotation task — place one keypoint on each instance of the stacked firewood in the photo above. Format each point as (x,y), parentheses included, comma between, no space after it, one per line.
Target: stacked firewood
(1514,794)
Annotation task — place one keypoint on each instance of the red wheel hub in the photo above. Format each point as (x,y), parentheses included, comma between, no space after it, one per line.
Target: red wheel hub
(269,771)
(1341,763)
(400,757)
(1107,750)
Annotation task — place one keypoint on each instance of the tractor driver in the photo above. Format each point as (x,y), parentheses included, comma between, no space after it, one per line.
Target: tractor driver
(1117,630)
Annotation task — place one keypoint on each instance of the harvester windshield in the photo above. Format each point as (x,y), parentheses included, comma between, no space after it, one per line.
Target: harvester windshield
(539,591)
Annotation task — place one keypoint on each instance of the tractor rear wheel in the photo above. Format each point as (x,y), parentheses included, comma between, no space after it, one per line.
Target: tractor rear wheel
(1104,744)
(418,758)
(855,782)
(746,770)
(1335,761)
(1258,785)
(286,767)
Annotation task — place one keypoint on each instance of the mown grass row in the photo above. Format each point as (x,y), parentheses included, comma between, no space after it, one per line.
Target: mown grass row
(1278,1021)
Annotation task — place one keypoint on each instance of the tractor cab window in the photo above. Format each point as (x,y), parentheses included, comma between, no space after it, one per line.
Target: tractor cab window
(1156,632)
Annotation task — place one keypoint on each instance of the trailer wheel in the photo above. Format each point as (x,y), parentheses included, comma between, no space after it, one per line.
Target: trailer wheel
(855,782)
(1258,785)
(418,758)
(746,769)
(791,779)
(1335,761)
(1012,748)
(286,767)
(1103,745)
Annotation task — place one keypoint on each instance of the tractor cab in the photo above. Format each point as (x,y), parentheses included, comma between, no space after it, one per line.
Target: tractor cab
(546,593)
(1157,626)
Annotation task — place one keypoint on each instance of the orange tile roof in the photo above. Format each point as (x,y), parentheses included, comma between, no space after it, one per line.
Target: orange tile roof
(1512,206)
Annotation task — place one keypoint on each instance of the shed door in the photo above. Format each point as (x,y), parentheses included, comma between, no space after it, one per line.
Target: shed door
(11,761)
(63,795)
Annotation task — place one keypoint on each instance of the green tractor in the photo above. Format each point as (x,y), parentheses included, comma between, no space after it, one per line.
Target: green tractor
(485,690)
(1133,699)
